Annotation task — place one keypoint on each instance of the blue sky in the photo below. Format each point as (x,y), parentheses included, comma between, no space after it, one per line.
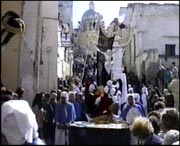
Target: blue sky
(109,9)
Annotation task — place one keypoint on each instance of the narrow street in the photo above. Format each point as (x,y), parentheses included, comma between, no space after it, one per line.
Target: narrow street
(90,72)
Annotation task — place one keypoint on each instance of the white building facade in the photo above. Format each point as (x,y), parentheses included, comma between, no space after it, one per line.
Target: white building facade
(88,32)
(38,53)
(156,37)
(30,61)
(65,48)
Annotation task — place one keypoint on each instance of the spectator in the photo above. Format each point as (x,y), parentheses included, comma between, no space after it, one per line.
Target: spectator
(174,71)
(151,102)
(3,90)
(131,110)
(49,119)
(63,117)
(165,91)
(167,77)
(144,131)
(171,137)
(169,120)
(18,123)
(154,118)
(169,100)
(159,106)
(157,91)
(72,100)
(20,91)
(90,101)
(37,109)
(79,107)
(143,79)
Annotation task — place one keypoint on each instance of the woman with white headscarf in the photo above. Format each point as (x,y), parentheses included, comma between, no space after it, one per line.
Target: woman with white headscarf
(18,123)
(131,110)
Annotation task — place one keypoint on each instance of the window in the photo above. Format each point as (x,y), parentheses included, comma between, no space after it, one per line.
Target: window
(94,25)
(170,50)
(66,36)
(58,16)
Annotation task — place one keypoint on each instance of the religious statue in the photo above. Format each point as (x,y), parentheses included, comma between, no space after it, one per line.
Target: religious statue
(108,54)
(117,59)
(116,29)
(113,59)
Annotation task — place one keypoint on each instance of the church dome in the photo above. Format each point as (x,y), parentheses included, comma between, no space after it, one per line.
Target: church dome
(90,14)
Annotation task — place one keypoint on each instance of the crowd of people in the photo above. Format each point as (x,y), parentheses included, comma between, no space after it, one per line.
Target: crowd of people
(166,74)
(151,113)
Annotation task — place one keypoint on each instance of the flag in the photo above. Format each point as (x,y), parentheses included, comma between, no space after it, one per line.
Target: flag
(104,43)
(118,22)
(122,25)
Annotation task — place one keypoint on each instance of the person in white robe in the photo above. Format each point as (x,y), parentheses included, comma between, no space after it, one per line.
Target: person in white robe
(130,89)
(109,85)
(117,64)
(130,111)
(144,98)
(124,87)
(144,90)
(117,57)
(64,115)
(18,123)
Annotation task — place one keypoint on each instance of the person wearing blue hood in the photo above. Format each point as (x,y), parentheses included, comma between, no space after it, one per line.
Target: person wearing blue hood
(64,115)
(131,110)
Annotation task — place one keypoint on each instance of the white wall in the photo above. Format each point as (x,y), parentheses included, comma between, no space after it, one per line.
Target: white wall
(161,28)
(65,67)
(48,70)
(155,25)
(41,34)
(28,77)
